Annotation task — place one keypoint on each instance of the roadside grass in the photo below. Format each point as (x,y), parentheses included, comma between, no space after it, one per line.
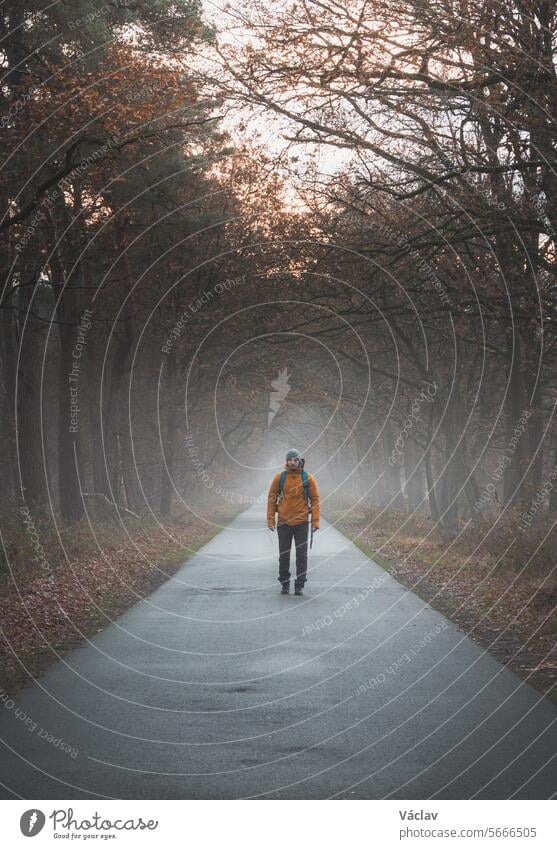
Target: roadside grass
(48,608)
(494,582)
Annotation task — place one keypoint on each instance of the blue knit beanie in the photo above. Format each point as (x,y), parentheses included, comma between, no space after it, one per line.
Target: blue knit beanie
(292,453)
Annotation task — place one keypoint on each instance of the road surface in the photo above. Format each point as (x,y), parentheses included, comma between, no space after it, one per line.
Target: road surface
(218,687)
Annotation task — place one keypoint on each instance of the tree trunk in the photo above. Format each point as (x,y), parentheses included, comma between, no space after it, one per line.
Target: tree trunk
(7,433)
(169,441)
(31,468)
(430,480)
(514,407)
(395,498)
(413,473)
(70,388)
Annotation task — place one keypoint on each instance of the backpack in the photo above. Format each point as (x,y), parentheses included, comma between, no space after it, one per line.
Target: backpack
(305,484)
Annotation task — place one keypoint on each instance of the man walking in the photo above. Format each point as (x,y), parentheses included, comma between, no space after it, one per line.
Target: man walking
(293,494)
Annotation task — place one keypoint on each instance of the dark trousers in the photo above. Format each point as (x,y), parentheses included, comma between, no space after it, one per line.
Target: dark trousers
(298,533)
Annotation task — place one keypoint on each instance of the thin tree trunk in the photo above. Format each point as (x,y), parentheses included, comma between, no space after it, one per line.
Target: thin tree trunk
(430,481)
(31,470)
(169,442)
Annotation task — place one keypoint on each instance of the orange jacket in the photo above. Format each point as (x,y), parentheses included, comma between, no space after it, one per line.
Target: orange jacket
(292,508)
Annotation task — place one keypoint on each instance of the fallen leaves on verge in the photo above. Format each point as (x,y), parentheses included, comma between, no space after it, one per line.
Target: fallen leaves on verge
(45,613)
(512,616)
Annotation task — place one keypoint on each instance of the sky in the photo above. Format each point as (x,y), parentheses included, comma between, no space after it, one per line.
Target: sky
(269,131)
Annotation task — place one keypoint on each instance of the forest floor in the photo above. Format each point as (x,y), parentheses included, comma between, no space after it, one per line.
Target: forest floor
(510,612)
(49,609)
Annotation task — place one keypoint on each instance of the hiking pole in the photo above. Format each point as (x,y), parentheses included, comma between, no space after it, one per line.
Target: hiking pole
(269,537)
(270,531)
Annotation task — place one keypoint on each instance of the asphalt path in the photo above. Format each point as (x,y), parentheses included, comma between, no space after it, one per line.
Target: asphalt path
(218,687)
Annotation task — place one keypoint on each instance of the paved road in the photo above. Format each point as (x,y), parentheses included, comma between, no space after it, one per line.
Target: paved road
(218,687)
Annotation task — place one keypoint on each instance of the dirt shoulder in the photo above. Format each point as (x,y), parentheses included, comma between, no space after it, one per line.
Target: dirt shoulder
(47,612)
(509,612)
